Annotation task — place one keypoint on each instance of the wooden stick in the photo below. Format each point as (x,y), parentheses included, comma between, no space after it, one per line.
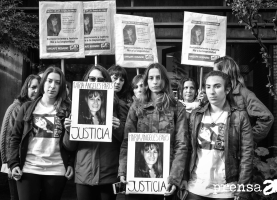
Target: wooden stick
(201,77)
(95,60)
(137,71)
(62,66)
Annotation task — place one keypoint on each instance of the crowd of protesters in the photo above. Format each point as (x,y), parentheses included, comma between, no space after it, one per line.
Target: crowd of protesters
(213,134)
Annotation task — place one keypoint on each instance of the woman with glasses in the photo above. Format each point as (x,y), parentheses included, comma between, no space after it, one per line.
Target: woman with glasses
(261,118)
(96,164)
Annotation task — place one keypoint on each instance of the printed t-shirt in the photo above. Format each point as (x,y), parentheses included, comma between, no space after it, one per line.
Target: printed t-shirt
(43,155)
(208,176)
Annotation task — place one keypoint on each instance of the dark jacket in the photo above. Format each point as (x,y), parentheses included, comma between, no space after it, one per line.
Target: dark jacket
(24,127)
(97,162)
(154,120)
(261,118)
(239,145)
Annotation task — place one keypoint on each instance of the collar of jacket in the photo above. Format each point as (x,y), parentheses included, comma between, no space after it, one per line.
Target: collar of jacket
(61,113)
(227,107)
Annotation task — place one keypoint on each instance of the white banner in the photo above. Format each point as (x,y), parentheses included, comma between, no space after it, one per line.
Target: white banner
(135,41)
(61,30)
(148,163)
(204,38)
(99,27)
(92,111)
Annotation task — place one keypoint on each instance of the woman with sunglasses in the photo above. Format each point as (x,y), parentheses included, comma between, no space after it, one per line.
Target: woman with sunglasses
(261,118)
(96,164)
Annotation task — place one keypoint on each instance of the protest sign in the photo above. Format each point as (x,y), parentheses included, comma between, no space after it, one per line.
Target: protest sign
(61,30)
(99,27)
(204,38)
(92,111)
(135,41)
(148,163)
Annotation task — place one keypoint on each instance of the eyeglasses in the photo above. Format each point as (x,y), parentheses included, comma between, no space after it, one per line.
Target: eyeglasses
(95,79)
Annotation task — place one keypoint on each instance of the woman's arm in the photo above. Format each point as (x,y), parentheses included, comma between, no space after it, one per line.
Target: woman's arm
(67,143)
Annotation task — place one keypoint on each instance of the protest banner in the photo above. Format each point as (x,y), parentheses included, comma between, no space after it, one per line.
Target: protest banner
(148,163)
(61,30)
(135,41)
(99,27)
(92,111)
(204,38)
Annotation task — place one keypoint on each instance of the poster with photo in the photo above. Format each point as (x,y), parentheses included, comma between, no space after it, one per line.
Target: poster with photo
(92,111)
(135,41)
(148,163)
(61,30)
(99,27)
(204,38)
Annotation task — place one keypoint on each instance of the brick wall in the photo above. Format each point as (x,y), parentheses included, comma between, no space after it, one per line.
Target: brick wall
(275,101)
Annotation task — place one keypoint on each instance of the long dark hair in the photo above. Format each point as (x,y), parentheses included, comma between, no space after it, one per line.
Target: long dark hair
(167,99)
(62,95)
(104,72)
(142,165)
(227,65)
(23,96)
(181,87)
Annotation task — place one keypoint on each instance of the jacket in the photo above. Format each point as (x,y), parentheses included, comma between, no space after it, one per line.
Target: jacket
(261,118)
(24,127)
(239,145)
(154,120)
(97,162)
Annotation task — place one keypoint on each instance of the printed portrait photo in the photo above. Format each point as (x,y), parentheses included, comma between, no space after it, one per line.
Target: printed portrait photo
(54,25)
(129,35)
(47,126)
(149,160)
(92,107)
(88,25)
(197,35)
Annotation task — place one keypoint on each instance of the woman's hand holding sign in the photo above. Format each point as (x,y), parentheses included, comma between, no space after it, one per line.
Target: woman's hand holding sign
(67,123)
(170,190)
(116,122)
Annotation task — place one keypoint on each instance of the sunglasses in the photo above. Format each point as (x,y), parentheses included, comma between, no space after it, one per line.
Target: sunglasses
(95,79)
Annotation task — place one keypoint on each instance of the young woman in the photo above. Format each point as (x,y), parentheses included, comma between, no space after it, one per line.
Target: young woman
(28,93)
(96,164)
(92,108)
(149,162)
(157,112)
(38,160)
(260,117)
(53,27)
(138,86)
(222,145)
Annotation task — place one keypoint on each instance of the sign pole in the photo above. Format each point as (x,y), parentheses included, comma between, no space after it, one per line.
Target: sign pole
(201,78)
(95,60)
(62,66)
(137,71)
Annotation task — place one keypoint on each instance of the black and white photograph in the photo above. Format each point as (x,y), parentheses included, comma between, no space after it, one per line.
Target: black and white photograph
(88,25)
(54,25)
(129,34)
(197,35)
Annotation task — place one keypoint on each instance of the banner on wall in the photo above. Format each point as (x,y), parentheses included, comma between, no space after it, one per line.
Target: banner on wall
(99,27)
(61,30)
(135,41)
(92,111)
(204,38)
(148,163)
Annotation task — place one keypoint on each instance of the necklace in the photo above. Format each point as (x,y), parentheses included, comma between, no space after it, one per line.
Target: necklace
(214,121)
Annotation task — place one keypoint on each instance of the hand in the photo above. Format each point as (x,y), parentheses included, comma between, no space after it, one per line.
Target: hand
(202,96)
(116,122)
(10,174)
(69,173)
(16,173)
(122,179)
(170,190)
(67,124)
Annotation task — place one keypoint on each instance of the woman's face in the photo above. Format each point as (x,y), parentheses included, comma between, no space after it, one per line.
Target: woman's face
(198,32)
(189,91)
(41,123)
(139,89)
(54,21)
(130,32)
(94,102)
(154,80)
(151,156)
(32,89)
(52,85)
(215,90)
(96,76)
(118,82)
(86,21)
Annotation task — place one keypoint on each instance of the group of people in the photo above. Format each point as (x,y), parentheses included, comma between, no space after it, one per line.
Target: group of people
(212,134)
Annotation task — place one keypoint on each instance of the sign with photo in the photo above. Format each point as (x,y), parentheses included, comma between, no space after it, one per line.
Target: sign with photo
(61,30)
(204,38)
(135,41)
(99,27)
(148,163)
(92,111)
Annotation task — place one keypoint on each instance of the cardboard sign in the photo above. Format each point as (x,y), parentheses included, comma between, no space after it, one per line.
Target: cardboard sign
(99,27)
(135,41)
(61,30)
(204,38)
(148,163)
(92,111)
